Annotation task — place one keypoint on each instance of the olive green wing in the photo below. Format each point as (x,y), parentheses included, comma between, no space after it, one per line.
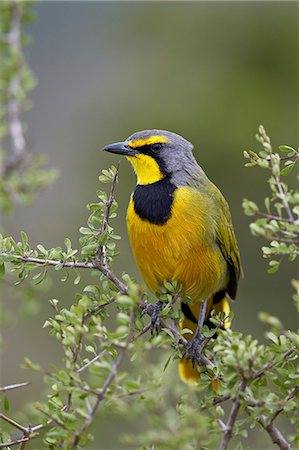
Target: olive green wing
(226,239)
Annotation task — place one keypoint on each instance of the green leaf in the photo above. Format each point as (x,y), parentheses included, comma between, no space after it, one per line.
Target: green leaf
(6,404)
(124,300)
(287,149)
(42,249)
(78,277)
(2,269)
(40,277)
(84,230)
(287,169)
(89,249)
(167,363)
(24,238)
(274,266)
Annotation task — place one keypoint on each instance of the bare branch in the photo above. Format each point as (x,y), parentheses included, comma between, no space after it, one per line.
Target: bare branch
(13,422)
(14,386)
(275,435)
(11,443)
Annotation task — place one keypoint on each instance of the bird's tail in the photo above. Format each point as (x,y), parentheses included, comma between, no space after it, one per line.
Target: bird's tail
(218,303)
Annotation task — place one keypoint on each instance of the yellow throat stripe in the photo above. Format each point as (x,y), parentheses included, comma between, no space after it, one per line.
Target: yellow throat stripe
(146,168)
(159,139)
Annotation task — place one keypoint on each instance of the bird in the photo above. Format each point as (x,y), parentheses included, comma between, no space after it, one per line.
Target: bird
(180,228)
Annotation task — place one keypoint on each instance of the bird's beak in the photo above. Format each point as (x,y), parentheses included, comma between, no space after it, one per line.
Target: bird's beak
(120,148)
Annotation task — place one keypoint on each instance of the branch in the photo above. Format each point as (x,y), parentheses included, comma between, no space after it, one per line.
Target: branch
(11,443)
(13,422)
(275,435)
(13,386)
(203,359)
(101,393)
(228,428)
(101,262)
(25,430)
(270,364)
(72,265)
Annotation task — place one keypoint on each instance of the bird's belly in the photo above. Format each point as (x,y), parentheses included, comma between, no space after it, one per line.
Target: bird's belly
(181,249)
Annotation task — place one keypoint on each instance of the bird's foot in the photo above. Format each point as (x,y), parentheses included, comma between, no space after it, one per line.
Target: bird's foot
(153,310)
(193,350)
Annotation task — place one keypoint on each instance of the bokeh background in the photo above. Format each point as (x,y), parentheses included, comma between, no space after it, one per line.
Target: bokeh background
(210,71)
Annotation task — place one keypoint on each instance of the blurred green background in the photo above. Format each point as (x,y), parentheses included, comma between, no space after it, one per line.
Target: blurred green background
(210,71)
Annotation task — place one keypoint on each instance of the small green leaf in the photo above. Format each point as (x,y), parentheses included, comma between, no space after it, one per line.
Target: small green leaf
(287,149)
(287,169)
(24,238)
(2,269)
(42,249)
(6,404)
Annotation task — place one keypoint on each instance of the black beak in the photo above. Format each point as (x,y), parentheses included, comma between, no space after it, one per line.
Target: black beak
(120,148)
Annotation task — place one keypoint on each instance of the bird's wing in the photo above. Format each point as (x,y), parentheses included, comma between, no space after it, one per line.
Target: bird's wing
(226,240)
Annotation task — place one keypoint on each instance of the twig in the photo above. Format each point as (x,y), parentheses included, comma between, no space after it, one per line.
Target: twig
(266,143)
(275,435)
(101,258)
(273,217)
(203,359)
(128,394)
(72,265)
(270,364)
(14,386)
(91,361)
(291,395)
(12,422)
(50,262)
(228,429)
(11,443)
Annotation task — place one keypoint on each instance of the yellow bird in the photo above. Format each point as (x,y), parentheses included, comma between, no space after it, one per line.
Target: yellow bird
(180,228)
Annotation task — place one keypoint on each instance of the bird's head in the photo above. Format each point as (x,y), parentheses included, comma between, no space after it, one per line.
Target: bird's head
(156,154)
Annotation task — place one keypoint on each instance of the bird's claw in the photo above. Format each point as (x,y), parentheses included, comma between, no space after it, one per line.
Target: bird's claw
(193,350)
(153,310)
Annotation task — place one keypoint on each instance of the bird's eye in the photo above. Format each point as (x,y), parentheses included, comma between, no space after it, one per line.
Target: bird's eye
(156,147)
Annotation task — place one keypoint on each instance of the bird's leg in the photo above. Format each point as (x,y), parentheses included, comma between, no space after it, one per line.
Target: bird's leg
(153,310)
(194,347)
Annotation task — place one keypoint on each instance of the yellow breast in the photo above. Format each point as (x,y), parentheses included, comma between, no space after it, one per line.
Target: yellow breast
(182,249)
